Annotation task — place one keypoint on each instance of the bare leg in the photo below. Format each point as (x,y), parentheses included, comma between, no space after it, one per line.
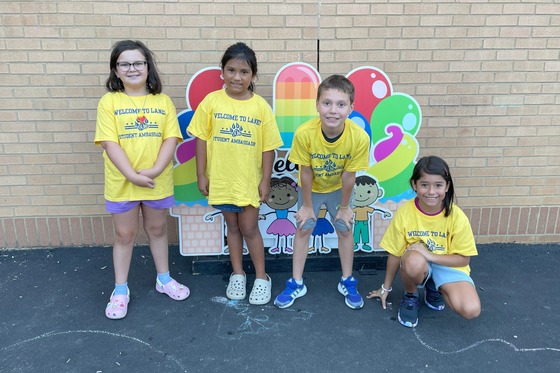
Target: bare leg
(414,269)
(155,225)
(346,252)
(301,246)
(235,242)
(462,298)
(126,230)
(248,224)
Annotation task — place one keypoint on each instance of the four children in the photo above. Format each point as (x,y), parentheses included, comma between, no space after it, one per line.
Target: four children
(328,150)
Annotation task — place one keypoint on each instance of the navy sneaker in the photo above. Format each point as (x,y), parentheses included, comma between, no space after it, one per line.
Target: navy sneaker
(432,297)
(408,310)
(349,288)
(292,291)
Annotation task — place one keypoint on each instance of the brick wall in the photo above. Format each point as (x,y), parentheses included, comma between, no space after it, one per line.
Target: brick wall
(486,74)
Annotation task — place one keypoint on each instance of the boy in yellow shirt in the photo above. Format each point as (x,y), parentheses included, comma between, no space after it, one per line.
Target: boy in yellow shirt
(329,150)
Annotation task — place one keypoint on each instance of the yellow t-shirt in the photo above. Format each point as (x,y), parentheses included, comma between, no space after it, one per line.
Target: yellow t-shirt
(237,132)
(327,160)
(139,125)
(441,235)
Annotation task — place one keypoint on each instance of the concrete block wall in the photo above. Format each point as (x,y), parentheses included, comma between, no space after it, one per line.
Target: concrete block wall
(486,74)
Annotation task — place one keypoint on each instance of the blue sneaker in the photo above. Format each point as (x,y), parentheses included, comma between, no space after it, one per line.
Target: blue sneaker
(349,288)
(432,297)
(408,310)
(292,291)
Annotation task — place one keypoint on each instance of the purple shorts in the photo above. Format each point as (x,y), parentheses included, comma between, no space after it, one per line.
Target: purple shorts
(126,206)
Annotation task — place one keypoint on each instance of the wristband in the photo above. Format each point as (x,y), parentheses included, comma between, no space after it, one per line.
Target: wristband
(383,290)
(342,207)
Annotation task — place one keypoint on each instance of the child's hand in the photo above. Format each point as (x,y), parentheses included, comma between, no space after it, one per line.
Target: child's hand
(264,189)
(142,181)
(203,185)
(379,293)
(304,214)
(151,173)
(420,248)
(345,214)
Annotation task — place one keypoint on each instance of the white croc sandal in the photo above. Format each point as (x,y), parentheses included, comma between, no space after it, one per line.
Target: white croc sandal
(261,292)
(236,287)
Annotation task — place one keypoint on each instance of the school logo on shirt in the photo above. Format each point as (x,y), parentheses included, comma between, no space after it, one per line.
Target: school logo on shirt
(235,130)
(329,166)
(141,123)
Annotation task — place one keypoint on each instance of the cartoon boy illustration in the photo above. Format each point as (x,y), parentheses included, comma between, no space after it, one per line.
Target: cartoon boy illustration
(366,193)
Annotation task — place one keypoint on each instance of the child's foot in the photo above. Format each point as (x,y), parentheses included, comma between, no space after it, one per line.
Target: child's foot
(173,289)
(236,289)
(292,291)
(349,288)
(432,297)
(408,310)
(261,292)
(117,306)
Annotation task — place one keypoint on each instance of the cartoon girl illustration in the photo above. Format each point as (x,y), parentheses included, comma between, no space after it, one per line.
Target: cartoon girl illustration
(283,196)
(322,227)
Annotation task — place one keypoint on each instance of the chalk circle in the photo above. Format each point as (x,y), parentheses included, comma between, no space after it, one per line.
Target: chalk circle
(85,351)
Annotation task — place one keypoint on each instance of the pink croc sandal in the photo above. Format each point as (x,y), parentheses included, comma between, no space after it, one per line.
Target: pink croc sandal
(174,289)
(117,306)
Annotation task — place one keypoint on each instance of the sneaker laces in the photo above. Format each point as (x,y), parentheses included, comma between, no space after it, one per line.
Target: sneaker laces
(435,296)
(350,286)
(410,302)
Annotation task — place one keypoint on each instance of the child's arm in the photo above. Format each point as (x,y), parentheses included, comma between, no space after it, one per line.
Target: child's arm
(393,263)
(452,260)
(165,155)
(306,210)
(264,185)
(345,213)
(117,155)
(202,180)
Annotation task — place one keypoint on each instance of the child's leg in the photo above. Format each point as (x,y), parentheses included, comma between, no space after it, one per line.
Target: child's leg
(462,298)
(155,222)
(235,242)
(346,251)
(413,271)
(249,226)
(126,230)
(299,256)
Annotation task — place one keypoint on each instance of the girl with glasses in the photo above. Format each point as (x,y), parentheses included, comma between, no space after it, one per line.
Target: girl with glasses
(137,128)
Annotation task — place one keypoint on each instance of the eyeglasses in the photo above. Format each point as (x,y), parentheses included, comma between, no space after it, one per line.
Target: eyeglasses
(138,65)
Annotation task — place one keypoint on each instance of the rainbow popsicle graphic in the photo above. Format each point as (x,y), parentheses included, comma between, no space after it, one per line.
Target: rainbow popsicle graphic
(294,96)
(184,174)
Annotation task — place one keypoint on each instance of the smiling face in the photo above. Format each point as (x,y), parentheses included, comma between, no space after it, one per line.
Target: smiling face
(333,107)
(430,190)
(134,81)
(237,78)
(282,196)
(366,194)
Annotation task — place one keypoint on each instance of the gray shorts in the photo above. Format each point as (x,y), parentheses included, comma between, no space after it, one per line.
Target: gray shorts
(331,201)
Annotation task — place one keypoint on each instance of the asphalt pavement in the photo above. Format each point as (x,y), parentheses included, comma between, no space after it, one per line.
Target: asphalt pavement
(53,300)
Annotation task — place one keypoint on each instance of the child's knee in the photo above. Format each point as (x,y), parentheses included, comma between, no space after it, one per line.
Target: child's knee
(125,237)
(155,230)
(470,311)
(413,263)
(304,232)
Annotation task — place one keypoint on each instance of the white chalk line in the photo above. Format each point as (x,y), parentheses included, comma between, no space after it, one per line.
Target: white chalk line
(54,334)
(251,324)
(499,340)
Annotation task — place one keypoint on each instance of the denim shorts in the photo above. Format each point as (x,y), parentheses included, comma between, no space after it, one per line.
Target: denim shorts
(228,207)
(443,275)
(126,206)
